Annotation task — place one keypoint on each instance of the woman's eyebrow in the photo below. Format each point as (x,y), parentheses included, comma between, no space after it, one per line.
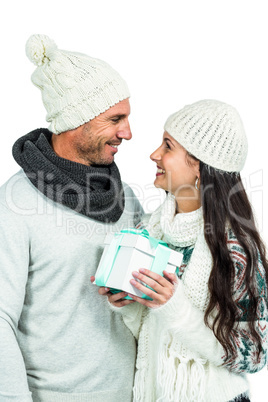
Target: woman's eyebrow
(168,139)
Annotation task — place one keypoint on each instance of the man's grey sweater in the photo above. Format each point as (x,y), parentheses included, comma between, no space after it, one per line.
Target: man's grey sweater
(59,339)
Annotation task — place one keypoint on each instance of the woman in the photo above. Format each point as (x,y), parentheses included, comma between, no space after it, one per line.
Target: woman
(206,326)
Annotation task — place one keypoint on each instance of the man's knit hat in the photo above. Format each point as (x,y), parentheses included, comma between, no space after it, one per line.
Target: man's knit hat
(75,87)
(213,132)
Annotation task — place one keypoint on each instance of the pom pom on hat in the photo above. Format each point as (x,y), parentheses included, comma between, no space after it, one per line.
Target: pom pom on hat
(39,49)
(75,87)
(213,132)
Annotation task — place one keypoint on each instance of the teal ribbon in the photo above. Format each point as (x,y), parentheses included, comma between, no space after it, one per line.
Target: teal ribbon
(108,262)
(144,233)
(160,260)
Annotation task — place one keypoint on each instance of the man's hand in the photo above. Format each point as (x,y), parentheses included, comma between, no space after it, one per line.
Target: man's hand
(116,299)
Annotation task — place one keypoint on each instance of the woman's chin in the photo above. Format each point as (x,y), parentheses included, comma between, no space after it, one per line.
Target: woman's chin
(158,185)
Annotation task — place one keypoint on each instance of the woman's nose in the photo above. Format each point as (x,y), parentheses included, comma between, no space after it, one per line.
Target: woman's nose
(156,155)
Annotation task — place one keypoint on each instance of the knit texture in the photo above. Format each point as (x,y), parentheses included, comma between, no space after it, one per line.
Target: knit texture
(213,132)
(165,220)
(177,230)
(94,191)
(75,87)
(58,336)
(180,230)
(179,357)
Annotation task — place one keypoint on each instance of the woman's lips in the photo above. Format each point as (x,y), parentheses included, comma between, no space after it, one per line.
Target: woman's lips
(160,171)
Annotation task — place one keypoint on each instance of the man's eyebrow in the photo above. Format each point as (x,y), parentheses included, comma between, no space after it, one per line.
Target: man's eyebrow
(118,116)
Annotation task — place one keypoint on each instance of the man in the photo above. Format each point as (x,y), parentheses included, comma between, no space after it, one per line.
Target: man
(59,339)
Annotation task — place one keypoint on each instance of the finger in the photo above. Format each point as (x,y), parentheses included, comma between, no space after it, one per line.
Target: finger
(103,291)
(156,285)
(118,299)
(92,279)
(156,277)
(122,303)
(144,302)
(172,278)
(149,292)
(114,297)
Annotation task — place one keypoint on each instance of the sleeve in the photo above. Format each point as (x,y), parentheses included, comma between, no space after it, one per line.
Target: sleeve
(187,323)
(132,315)
(246,357)
(14,260)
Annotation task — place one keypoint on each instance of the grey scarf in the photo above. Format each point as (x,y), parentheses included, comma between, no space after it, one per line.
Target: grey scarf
(94,191)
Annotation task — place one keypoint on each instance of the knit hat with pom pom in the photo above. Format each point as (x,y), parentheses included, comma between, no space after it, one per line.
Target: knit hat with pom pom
(75,87)
(213,132)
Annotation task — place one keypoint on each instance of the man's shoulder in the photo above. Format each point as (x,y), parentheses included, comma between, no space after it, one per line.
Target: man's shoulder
(129,193)
(16,188)
(127,188)
(144,221)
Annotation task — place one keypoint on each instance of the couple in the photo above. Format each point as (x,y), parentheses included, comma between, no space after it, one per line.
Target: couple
(204,328)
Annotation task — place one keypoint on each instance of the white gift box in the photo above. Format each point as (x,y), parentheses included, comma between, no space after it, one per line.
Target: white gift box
(127,252)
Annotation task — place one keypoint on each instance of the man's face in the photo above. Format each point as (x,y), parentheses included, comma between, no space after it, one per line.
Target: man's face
(96,142)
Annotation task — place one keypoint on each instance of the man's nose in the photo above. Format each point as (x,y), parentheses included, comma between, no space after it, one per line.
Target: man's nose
(125,131)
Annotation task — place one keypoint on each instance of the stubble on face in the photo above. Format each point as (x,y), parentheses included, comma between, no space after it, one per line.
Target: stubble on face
(95,142)
(89,147)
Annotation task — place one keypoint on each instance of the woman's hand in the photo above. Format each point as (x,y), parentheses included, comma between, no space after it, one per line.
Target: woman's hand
(163,287)
(116,299)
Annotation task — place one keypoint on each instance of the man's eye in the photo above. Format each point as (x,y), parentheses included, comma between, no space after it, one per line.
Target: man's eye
(115,120)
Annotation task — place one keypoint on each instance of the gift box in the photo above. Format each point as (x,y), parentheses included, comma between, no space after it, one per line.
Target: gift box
(128,251)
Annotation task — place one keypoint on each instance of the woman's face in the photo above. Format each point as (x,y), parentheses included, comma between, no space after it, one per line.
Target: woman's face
(176,171)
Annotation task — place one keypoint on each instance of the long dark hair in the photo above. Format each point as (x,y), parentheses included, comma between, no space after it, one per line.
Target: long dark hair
(224,200)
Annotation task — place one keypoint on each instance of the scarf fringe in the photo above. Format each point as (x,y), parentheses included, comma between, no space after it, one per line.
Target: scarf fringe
(139,391)
(179,378)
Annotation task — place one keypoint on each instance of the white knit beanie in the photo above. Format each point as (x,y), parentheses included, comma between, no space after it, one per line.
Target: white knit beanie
(213,132)
(75,87)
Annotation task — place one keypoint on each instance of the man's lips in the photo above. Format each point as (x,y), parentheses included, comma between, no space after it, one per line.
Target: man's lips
(114,147)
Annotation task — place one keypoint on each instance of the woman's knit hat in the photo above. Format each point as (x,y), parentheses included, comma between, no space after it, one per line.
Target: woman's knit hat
(213,132)
(75,87)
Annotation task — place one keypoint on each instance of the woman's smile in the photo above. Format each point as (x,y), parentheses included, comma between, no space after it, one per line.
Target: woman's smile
(160,171)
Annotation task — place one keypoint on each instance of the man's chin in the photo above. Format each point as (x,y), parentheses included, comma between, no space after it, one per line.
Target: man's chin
(109,161)
(104,162)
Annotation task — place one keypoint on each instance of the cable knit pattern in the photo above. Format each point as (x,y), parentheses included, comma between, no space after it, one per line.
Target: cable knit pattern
(179,358)
(75,87)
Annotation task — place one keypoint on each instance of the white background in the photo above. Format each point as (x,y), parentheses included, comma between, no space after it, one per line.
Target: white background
(171,53)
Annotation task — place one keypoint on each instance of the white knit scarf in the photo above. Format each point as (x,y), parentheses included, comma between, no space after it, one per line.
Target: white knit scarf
(181,230)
